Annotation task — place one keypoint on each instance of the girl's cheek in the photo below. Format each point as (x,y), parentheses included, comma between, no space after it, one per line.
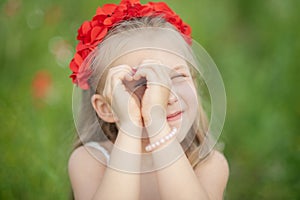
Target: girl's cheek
(186,90)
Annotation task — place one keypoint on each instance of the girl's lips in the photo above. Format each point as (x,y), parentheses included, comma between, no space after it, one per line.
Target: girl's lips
(174,116)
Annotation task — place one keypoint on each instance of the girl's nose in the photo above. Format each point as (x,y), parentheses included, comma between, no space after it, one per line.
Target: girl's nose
(172,98)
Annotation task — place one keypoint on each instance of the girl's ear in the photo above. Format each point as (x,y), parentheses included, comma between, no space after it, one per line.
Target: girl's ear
(102,108)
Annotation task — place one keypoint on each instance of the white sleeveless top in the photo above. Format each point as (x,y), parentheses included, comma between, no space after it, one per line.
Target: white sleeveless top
(97,146)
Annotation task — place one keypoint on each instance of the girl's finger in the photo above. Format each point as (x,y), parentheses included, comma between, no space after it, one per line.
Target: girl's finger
(114,77)
(128,77)
(120,73)
(145,72)
(162,71)
(154,73)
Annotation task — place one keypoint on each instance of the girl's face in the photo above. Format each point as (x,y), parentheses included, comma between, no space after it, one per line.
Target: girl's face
(182,106)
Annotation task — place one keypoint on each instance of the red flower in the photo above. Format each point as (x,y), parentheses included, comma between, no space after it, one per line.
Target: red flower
(161,6)
(91,33)
(41,84)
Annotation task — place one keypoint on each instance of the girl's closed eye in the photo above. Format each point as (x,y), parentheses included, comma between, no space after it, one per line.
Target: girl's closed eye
(179,77)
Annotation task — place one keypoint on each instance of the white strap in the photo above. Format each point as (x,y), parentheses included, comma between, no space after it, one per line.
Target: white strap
(97,146)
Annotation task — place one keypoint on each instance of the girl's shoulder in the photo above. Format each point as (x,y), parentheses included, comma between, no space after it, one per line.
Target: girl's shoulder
(85,171)
(91,151)
(90,154)
(214,157)
(83,158)
(213,172)
(214,163)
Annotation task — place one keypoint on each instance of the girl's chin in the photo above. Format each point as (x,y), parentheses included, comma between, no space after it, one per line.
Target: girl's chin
(177,125)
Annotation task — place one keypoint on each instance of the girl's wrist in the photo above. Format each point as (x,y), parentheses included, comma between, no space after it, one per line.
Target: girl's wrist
(131,129)
(156,126)
(128,142)
(159,133)
(163,138)
(154,115)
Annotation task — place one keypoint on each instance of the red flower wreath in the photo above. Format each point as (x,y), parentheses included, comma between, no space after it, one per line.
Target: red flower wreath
(91,33)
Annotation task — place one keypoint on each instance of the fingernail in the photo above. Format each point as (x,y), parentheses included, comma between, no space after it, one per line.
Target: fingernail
(128,77)
(136,77)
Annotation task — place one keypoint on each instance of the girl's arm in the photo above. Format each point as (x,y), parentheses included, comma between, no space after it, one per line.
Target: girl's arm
(92,180)
(116,184)
(180,181)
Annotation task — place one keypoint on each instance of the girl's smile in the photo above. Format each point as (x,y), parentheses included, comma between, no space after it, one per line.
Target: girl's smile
(174,116)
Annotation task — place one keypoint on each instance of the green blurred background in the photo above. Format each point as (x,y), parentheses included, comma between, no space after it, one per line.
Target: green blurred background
(256,45)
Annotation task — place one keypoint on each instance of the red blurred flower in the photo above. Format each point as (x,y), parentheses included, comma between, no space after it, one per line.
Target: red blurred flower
(12,7)
(41,84)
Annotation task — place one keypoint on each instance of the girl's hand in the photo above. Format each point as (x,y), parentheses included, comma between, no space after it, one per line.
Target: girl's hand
(125,105)
(155,99)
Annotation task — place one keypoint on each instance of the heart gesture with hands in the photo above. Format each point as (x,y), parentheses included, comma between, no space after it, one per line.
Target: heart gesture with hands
(133,111)
(156,94)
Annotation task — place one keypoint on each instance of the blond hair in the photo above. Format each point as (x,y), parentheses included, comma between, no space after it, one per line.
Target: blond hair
(90,126)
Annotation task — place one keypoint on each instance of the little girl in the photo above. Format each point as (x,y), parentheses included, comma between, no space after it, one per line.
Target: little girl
(142,131)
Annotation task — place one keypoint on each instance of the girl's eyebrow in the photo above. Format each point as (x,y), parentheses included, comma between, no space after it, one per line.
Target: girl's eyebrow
(179,67)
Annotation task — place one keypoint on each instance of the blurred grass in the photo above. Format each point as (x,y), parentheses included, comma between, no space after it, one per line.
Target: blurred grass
(254,43)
